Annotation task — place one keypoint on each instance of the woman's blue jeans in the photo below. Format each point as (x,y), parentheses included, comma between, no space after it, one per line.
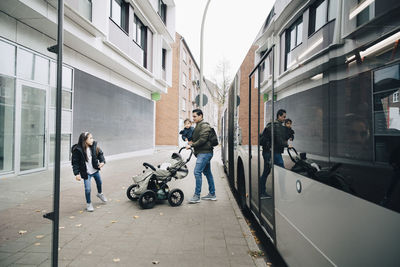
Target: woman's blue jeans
(203,165)
(87,183)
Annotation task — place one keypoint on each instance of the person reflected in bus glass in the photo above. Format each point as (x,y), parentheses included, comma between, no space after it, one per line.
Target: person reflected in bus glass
(394,161)
(290,132)
(358,138)
(280,142)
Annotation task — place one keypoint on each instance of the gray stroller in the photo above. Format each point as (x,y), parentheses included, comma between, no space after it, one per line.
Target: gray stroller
(152,185)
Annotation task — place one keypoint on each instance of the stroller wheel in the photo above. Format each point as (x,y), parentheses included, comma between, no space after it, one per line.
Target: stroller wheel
(130,194)
(147,200)
(175,197)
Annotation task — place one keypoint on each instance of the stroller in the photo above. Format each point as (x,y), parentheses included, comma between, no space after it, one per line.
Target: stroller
(328,176)
(152,185)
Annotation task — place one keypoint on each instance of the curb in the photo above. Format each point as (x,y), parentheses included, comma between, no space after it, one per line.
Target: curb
(251,243)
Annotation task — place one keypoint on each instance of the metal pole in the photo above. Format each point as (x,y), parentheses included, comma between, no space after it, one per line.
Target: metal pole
(56,206)
(201,55)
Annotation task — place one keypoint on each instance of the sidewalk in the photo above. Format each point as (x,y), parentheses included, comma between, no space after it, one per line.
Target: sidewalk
(120,233)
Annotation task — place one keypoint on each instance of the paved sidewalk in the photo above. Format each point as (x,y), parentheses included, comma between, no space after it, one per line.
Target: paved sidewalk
(120,233)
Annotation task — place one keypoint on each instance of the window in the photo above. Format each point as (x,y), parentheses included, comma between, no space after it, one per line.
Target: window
(85,9)
(140,31)
(120,14)
(183,104)
(293,39)
(184,56)
(164,59)
(162,11)
(140,37)
(365,15)
(184,79)
(396,97)
(321,12)
(7,53)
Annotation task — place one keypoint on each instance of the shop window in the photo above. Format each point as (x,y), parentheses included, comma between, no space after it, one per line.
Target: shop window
(119,13)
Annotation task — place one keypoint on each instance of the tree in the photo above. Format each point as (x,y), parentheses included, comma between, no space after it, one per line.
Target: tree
(223,80)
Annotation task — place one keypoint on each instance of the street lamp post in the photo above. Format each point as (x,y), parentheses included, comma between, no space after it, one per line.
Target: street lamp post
(201,55)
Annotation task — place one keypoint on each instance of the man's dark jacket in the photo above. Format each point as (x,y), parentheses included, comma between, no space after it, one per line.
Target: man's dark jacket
(78,160)
(201,144)
(280,137)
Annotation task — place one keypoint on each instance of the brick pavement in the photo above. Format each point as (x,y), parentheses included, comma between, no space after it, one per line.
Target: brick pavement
(119,233)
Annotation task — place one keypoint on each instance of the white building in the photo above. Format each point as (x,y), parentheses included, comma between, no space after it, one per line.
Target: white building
(117,55)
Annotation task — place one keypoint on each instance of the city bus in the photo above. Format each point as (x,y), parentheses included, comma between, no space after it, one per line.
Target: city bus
(333,67)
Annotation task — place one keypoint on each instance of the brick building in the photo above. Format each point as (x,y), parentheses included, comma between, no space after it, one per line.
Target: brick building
(177,104)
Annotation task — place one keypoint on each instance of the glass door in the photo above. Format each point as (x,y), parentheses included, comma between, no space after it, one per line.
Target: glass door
(32,124)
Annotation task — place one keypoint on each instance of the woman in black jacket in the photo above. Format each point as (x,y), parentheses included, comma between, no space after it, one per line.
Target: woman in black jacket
(87,160)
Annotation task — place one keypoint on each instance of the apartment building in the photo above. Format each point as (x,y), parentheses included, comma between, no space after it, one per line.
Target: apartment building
(178,103)
(117,61)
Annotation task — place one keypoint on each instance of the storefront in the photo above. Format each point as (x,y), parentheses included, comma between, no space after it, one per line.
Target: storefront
(27,110)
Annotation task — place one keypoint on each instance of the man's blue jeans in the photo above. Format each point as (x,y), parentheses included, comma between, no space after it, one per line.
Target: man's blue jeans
(278,160)
(203,165)
(87,183)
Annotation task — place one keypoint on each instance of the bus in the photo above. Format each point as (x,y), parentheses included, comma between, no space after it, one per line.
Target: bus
(333,68)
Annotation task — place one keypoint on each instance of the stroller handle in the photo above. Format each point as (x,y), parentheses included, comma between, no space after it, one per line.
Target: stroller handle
(290,155)
(191,153)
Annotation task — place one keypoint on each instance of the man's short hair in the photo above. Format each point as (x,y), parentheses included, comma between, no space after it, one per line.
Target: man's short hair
(198,112)
(280,112)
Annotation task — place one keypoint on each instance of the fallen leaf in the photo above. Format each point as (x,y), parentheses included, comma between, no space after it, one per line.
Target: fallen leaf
(161,213)
(155,262)
(37,210)
(90,252)
(247,194)
(135,217)
(59,249)
(269,264)
(123,187)
(37,244)
(21,232)
(39,236)
(118,200)
(98,207)
(116,260)
(62,227)
(114,221)
(78,225)
(71,217)
(81,211)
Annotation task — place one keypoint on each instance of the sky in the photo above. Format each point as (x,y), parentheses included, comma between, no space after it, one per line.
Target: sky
(230,28)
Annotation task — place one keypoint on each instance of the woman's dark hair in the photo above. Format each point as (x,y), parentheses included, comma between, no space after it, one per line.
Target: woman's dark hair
(280,112)
(288,120)
(198,112)
(82,142)
(187,120)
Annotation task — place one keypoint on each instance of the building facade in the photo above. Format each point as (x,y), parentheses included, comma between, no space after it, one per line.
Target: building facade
(178,103)
(117,56)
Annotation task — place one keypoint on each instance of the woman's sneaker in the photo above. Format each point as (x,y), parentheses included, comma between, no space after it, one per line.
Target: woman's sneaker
(89,207)
(209,197)
(102,197)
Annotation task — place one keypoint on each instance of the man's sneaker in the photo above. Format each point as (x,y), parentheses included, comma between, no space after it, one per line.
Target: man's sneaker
(265,196)
(89,207)
(194,199)
(209,197)
(102,197)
